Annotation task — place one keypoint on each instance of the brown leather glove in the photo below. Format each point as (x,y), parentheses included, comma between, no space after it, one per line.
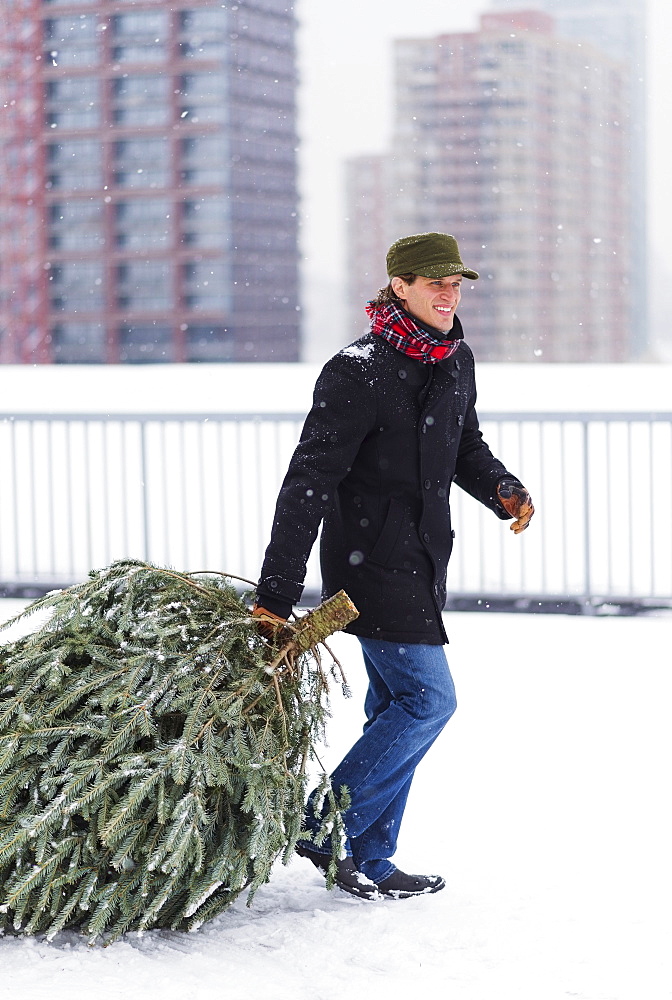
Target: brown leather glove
(517,502)
(269,624)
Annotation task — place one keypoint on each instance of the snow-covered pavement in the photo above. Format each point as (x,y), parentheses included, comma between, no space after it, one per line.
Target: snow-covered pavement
(545,804)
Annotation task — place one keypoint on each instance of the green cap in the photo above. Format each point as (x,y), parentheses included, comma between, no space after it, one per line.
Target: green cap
(431,255)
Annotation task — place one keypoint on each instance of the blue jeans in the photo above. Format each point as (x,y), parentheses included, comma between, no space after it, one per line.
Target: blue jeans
(410,699)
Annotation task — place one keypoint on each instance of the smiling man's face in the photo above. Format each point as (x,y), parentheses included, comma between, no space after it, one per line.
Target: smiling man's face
(432,300)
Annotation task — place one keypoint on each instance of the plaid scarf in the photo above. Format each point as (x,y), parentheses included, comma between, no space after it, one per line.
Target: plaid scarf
(399,329)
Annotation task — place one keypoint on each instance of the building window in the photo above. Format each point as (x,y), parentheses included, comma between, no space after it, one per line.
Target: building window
(143,223)
(203,87)
(75,56)
(148,53)
(77,286)
(145,285)
(68,239)
(141,89)
(141,24)
(141,100)
(142,178)
(84,152)
(142,163)
(143,343)
(206,177)
(206,223)
(140,36)
(75,180)
(203,98)
(71,28)
(198,150)
(204,114)
(71,40)
(74,165)
(205,342)
(207,286)
(75,213)
(203,34)
(144,116)
(133,153)
(76,225)
(74,118)
(78,343)
(204,161)
(76,92)
(211,22)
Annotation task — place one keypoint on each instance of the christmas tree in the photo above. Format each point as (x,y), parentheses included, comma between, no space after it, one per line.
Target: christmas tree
(153,752)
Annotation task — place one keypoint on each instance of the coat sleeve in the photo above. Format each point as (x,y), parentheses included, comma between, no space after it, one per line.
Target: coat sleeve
(477,470)
(342,414)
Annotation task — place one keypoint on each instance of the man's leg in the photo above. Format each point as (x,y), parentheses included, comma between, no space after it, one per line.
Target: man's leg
(378,699)
(411,697)
(420,703)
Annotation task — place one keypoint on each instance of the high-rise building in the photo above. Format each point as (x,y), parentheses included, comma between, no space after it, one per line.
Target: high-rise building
(513,138)
(148,181)
(619,28)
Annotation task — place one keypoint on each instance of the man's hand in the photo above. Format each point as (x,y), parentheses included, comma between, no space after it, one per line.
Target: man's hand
(517,502)
(269,624)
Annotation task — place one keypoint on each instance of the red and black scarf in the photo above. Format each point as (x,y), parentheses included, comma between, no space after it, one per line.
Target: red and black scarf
(396,326)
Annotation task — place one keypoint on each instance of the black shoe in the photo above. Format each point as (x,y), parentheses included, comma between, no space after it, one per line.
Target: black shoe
(399,885)
(347,877)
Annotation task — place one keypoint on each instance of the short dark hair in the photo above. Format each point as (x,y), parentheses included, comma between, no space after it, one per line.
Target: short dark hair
(387,294)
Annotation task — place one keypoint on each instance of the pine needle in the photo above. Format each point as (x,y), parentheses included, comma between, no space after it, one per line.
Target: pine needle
(150,768)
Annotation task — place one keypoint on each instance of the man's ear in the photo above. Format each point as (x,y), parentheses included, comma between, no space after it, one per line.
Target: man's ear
(398,287)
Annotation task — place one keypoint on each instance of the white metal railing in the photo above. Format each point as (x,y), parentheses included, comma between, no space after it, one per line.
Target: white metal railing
(197,491)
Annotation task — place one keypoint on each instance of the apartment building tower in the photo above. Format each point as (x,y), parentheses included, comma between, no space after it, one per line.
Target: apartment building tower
(148,179)
(618,28)
(513,138)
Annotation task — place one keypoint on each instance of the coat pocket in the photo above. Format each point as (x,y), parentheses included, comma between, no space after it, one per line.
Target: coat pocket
(388,539)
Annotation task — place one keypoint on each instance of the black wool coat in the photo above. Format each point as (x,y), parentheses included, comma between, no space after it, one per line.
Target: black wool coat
(380,449)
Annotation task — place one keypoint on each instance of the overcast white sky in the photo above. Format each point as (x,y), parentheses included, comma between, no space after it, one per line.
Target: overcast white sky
(346,109)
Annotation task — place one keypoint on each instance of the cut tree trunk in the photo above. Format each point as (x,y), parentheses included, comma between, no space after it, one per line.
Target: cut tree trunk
(314,627)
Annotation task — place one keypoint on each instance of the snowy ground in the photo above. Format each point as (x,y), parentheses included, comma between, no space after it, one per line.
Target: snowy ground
(545,804)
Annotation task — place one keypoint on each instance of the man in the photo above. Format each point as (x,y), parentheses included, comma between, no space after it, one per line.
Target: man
(392,426)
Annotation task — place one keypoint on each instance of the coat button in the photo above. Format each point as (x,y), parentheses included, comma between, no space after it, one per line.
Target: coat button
(428,484)
(425,537)
(460,420)
(402,373)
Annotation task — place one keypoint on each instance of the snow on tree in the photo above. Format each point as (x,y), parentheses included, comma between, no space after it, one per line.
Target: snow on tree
(153,752)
